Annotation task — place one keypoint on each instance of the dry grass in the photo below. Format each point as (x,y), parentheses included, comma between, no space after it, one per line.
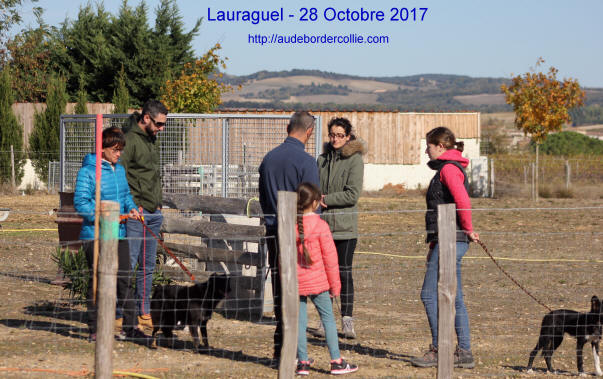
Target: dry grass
(39,330)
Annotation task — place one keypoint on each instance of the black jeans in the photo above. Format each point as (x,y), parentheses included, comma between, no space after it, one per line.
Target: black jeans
(273,260)
(345,254)
(125,299)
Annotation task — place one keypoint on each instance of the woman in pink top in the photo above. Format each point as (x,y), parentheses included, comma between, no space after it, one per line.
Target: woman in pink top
(449,185)
(318,279)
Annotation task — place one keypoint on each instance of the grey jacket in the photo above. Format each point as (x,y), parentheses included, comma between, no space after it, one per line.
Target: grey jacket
(341,176)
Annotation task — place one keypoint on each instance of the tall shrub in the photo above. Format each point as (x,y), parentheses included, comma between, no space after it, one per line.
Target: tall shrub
(11,133)
(82,98)
(121,96)
(44,139)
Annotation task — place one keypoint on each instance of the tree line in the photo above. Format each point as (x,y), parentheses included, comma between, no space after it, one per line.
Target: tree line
(98,57)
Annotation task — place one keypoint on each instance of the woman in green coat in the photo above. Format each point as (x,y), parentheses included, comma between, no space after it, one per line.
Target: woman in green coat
(341,173)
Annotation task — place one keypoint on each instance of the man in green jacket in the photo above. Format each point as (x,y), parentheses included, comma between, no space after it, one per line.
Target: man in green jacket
(140,158)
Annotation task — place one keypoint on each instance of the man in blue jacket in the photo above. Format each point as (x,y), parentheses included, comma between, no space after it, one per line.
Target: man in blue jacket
(114,187)
(284,168)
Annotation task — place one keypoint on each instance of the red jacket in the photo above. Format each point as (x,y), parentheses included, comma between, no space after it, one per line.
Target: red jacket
(323,274)
(453,178)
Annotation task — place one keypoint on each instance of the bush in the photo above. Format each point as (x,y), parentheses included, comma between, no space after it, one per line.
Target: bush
(571,143)
(74,267)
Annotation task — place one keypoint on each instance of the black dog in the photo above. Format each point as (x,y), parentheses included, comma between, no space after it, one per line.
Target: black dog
(174,307)
(584,326)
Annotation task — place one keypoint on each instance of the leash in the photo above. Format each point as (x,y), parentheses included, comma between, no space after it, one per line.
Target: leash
(510,277)
(144,261)
(182,266)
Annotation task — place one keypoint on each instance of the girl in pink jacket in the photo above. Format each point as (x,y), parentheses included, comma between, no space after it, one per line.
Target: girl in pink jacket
(318,279)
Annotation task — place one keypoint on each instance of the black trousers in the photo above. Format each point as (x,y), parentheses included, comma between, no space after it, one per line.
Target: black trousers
(345,254)
(273,260)
(125,298)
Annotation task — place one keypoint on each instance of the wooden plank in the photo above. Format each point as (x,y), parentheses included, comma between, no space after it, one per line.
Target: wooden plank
(286,214)
(446,288)
(210,254)
(107,283)
(212,204)
(212,230)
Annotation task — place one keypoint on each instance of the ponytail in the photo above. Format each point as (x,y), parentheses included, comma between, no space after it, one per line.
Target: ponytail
(300,230)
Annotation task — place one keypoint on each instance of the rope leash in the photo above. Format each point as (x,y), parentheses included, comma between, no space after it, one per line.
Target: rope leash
(182,266)
(510,277)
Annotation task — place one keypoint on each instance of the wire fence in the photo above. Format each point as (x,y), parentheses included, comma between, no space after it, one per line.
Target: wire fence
(558,177)
(553,251)
(206,154)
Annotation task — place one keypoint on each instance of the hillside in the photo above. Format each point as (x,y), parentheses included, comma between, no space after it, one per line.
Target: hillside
(325,90)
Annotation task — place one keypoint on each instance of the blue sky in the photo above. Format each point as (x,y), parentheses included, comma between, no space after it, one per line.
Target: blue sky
(479,38)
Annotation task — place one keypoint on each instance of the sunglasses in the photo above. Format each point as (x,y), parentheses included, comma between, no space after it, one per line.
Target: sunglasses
(337,135)
(158,124)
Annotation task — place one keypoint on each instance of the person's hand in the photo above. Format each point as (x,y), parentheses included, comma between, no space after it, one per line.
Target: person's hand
(473,236)
(322,201)
(134,214)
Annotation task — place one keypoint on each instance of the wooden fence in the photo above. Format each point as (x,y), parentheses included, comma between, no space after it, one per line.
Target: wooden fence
(26,113)
(392,137)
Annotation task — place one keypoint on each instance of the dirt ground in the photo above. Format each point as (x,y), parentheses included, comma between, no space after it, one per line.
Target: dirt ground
(553,247)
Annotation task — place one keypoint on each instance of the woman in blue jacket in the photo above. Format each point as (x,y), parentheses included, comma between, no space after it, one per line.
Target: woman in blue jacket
(114,187)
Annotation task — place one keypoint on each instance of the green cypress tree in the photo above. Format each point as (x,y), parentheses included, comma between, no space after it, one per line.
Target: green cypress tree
(82,98)
(11,133)
(121,96)
(44,139)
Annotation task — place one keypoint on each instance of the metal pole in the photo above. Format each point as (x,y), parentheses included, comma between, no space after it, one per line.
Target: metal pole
(62,155)
(12,168)
(224,157)
(318,136)
(567,174)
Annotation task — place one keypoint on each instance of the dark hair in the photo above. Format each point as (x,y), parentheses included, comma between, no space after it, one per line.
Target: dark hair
(300,121)
(307,193)
(443,135)
(153,108)
(113,136)
(342,122)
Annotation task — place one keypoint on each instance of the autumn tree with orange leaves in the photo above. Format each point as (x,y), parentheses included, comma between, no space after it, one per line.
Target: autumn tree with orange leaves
(195,91)
(541,103)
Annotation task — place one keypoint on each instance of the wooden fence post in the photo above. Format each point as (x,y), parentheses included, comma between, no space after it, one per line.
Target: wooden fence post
(107,284)
(568,173)
(286,213)
(446,288)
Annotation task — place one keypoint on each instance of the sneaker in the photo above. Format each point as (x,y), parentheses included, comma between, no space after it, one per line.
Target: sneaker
(463,358)
(319,331)
(342,367)
(137,336)
(303,368)
(429,359)
(348,327)
(145,321)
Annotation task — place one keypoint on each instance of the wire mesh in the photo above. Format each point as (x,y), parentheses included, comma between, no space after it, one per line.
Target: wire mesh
(216,155)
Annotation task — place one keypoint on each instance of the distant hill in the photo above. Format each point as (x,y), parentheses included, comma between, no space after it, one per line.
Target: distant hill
(320,90)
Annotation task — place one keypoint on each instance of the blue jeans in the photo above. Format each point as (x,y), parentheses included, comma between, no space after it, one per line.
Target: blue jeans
(429,296)
(143,251)
(323,304)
